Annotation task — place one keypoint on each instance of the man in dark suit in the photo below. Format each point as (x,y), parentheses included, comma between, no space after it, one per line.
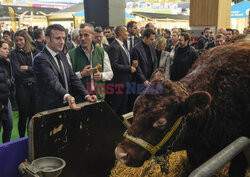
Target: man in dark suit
(132,38)
(144,53)
(55,78)
(39,39)
(98,37)
(121,65)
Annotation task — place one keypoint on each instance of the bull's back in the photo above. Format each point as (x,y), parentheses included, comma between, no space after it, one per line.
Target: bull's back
(224,72)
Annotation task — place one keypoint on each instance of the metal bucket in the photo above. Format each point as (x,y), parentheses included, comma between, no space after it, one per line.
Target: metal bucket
(49,166)
(43,167)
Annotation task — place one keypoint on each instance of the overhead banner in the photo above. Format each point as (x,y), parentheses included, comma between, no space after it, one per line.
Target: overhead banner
(240,10)
(12,18)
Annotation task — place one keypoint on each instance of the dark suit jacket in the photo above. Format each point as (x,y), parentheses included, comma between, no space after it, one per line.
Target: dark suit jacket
(138,53)
(136,40)
(119,63)
(49,81)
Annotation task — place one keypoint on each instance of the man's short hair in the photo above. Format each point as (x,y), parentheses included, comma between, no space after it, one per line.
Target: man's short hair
(130,24)
(109,27)
(147,25)
(74,34)
(219,36)
(98,29)
(167,31)
(205,29)
(229,29)
(119,29)
(89,25)
(6,32)
(186,36)
(147,33)
(38,33)
(54,27)
(183,30)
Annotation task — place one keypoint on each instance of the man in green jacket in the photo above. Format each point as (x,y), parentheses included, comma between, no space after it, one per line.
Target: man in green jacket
(91,63)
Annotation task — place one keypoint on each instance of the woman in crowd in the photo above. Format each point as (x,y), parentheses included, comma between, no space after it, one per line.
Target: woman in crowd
(25,83)
(6,119)
(167,61)
(161,44)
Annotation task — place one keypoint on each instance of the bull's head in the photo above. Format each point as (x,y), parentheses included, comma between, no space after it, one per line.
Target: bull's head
(154,115)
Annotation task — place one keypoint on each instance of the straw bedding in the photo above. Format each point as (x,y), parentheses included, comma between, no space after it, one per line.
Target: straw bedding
(178,168)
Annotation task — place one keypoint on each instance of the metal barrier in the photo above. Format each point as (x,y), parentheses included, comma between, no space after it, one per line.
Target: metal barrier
(221,158)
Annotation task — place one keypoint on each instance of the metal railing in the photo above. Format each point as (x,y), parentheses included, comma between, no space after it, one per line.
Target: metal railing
(221,158)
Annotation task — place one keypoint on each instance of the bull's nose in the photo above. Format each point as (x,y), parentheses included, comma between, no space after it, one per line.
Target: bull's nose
(121,155)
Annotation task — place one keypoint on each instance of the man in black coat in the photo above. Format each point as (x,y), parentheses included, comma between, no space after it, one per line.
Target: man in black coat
(98,37)
(55,78)
(132,38)
(184,57)
(144,54)
(39,39)
(122,69)
(204,40)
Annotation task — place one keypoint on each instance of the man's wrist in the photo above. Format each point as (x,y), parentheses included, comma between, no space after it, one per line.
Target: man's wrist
(65,98)
(86,97)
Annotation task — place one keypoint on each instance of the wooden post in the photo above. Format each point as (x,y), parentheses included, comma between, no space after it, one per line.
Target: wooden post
(210,13)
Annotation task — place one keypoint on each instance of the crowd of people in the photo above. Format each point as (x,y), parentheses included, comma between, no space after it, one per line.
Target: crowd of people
(42,69)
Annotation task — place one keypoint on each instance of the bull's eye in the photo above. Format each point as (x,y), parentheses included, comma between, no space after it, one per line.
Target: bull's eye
(160,123)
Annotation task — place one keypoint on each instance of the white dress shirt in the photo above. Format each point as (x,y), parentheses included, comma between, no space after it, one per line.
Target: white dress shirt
(125,50)
(107,73)
(128,42)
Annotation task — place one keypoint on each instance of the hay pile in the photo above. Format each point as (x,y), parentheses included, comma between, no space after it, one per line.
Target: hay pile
(178,168)
(178,164)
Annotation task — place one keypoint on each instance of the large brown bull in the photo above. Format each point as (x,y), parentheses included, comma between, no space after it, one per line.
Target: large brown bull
(214,99)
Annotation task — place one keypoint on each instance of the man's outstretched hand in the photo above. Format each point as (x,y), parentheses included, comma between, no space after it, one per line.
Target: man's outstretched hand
(72,103)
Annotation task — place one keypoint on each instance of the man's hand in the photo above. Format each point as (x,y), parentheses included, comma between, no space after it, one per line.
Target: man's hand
(98,76)
(133,69)
(91,98)
(135,63)
(24,67)
(72,103)
(147,83)
(87,71)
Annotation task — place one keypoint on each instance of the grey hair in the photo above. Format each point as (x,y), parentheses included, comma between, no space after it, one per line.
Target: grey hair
(89,25)
(74,34)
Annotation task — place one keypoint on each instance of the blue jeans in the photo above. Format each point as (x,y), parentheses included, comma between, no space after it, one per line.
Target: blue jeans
(7,124)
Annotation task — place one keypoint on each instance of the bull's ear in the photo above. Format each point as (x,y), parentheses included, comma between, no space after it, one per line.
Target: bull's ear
(158,74)
(200,99)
